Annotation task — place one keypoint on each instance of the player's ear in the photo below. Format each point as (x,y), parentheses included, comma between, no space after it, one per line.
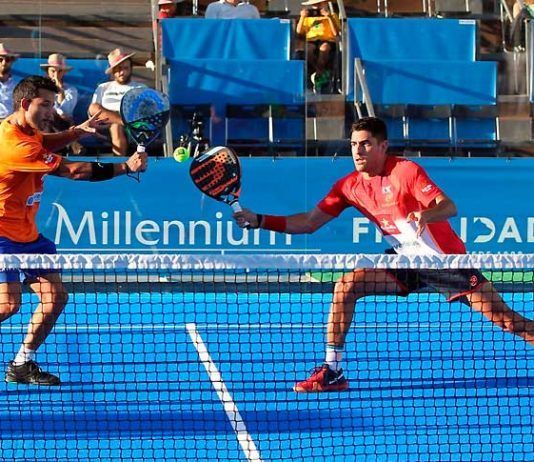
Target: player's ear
(25,103)
(385,145)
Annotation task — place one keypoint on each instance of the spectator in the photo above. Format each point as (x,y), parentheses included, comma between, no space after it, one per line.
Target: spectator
(167,9)
(523,10)
(231,9)
(65,99)
(7,82)
(321,28)
(108,95)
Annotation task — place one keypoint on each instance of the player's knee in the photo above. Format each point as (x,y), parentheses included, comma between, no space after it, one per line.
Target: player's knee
(349,286)
(60,300)
(9,308)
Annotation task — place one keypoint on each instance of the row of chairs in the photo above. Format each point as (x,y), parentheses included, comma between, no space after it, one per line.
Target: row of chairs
(431,88)
(278,128)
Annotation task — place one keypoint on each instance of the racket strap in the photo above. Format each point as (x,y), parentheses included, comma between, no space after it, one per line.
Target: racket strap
(130,174)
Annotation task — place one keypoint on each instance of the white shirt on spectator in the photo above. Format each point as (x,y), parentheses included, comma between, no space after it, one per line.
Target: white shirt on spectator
(6,97)
(66,107)
(109,94)
(225,10)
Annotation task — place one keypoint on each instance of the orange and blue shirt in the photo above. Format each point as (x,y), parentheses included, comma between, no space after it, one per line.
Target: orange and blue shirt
(24,162)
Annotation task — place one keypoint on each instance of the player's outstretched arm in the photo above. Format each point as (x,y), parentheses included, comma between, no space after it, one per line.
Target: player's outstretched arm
(100,171)
(300,223)
(56,141)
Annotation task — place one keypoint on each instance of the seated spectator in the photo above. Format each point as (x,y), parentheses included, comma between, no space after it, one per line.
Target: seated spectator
(167,9)
(320,27)
(522,10)
(108,95)
(66,98)
(231,9)
(7,81)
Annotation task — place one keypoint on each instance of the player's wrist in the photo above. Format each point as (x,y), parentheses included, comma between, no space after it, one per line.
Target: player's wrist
(259,220)
(74,132)
(274,223)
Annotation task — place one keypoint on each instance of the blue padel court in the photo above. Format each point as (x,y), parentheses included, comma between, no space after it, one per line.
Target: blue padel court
(209,377)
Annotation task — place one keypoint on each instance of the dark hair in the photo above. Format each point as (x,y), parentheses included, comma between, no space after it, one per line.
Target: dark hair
(373,125)
(29,88)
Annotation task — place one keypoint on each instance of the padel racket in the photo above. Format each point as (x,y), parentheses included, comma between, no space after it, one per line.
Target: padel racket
(144,112)
(217,173)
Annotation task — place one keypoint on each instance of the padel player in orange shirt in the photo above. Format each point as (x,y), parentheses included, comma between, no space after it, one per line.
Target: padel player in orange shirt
(26,157)
(412,213)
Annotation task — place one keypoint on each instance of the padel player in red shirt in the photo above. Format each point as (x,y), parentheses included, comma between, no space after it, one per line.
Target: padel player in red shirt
(411,212)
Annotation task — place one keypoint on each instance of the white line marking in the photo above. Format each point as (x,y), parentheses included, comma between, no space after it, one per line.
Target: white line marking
(244,438)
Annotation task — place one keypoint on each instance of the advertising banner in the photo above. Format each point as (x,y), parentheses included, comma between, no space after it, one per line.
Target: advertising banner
(164,213)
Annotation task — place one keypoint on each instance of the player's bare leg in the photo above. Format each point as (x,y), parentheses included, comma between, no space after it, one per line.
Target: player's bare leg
(52,298)
(52,301)
(347,291)
(119,141)
(487,301)
(10,299)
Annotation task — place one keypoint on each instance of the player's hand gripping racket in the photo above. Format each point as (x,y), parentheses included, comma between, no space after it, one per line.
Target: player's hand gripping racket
(217,173)
(144,112)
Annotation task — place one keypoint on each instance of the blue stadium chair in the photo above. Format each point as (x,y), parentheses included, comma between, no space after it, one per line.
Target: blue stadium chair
(394,115)
(238,62)
(475,126)
(274,127)
(407,39)
(249,39)
(429,126)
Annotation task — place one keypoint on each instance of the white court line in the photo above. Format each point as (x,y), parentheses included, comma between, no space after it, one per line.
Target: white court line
(244,438)
(172,327)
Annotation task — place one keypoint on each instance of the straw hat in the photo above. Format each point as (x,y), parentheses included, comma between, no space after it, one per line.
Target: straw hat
(58,61)
(5,52)
(116,57)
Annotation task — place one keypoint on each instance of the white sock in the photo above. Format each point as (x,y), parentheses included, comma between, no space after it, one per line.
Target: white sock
(24,355)
(334,355)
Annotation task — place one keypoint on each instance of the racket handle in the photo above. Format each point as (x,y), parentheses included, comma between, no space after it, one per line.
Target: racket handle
(237,208)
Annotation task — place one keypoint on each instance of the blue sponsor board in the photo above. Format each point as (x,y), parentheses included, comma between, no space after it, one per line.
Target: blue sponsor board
(165,213)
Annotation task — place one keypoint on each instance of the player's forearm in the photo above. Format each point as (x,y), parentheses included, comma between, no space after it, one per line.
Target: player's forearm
(91,171)
(442,211)
(292,224)
(111,116)
(56,141)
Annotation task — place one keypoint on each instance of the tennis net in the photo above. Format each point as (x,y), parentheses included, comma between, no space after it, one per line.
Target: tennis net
(183,357)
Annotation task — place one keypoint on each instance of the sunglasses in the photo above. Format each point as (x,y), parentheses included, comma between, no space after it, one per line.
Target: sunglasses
(5,59)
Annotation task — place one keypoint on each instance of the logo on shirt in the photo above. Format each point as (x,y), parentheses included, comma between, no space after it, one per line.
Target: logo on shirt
(427,188)
(473,281)
(387,189)
(48,158)
(34,199)
(387,225)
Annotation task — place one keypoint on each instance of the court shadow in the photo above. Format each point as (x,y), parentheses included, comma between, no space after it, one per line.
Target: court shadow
(451,383)
(109,424)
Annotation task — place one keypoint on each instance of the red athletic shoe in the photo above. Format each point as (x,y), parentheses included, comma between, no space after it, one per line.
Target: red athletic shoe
(323,379)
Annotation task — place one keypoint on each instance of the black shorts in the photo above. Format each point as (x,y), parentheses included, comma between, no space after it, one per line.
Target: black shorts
(455,284)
